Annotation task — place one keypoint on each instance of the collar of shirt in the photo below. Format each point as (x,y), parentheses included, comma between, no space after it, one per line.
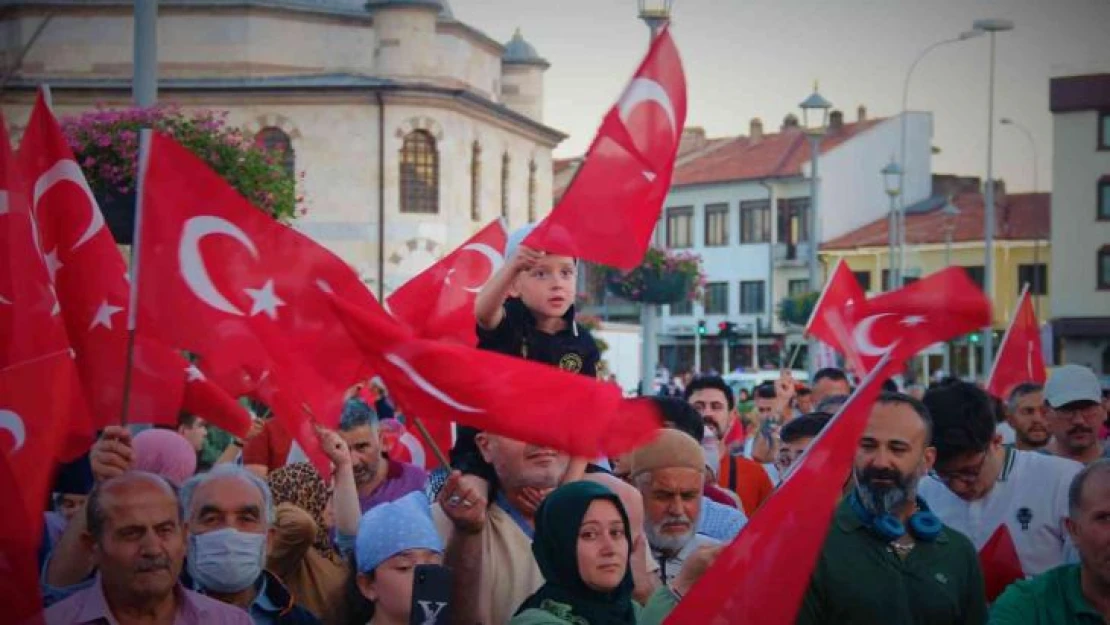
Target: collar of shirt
(514,514)
(1076,603)
(95,608)
(530,319)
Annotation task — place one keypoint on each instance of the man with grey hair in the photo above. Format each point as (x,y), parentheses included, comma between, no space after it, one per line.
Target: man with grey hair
(378,479)
(229,512)
(1077,594)
(1026,416)
(136,536)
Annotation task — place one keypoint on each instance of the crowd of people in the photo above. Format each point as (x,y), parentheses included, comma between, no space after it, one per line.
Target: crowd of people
(164,526)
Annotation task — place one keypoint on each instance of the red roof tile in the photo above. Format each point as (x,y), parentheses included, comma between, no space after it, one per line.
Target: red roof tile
(1020,216)
(772,156)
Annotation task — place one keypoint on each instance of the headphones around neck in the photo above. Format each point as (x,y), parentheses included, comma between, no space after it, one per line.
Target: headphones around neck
(924,525)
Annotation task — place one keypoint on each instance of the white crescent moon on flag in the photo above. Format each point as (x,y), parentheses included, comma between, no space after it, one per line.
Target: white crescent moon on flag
(493,256)
(416,450)
(69,170)
(13,423)
(862,336)
(423,384)
(646,90)
(192,265)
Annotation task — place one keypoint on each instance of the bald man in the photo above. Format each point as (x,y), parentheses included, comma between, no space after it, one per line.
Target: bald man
(644,567)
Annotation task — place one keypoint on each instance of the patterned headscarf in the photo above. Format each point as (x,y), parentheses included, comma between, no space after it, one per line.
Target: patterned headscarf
(301,485)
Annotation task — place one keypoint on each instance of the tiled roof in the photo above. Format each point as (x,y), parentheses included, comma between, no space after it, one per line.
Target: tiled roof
(1019,216)
(772,156)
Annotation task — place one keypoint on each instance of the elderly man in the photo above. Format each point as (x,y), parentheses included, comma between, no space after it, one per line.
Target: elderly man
(886,558)
(379,480)
(669,472)
(1026,417)
(980,484)
(1077,594)
(489,544)
(229,511)
(137,540)
(1075,414)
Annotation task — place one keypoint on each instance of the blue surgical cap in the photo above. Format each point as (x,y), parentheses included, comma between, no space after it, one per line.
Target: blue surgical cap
(390,528)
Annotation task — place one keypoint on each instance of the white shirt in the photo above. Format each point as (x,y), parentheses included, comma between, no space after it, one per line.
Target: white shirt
(669,567)
(1009,436)
(1030,497)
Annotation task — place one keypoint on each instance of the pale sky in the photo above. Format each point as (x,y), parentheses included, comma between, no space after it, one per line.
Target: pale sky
(759,58)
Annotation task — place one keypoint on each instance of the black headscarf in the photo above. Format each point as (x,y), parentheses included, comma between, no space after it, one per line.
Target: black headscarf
(555,547)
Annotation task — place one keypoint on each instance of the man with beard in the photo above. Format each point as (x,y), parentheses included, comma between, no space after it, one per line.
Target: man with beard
(489,541)
(1026,416)
(137,539)
(886,558)
(1075,414)
(379,480)
(979,484)
(670,472)
(1077,594)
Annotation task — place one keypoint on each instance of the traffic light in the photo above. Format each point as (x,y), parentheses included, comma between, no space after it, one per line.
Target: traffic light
(701,328)
(974,338)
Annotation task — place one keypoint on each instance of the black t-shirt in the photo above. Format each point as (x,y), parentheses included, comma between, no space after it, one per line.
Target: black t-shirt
(571,349)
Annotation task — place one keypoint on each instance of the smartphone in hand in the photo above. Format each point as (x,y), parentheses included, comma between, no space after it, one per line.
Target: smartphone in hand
(431,595)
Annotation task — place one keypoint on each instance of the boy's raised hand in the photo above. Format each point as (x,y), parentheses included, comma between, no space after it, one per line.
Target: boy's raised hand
(524,259)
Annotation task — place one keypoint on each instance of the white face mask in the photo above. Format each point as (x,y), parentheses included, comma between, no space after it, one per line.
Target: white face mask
(712,449)
(226,560)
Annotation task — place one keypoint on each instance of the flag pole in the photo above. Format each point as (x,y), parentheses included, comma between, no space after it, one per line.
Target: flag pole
(436,451)
(133,303)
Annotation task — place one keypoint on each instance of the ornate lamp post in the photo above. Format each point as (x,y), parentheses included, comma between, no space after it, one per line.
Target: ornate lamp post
(815,123)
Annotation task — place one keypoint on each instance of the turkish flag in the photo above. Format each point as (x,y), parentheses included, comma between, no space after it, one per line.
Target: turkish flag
(842,292)
(248,295)
(1019,358)
(34,410)
(439,303)
(1000,563)
(763,574)
(90,277)
(436,380)
(936,308)
(609,211)
(20,537)
(211,403)
(405,444)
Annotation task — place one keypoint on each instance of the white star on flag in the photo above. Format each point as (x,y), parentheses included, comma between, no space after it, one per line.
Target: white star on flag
(52,264)
(913,321)
(104,314)
(193,374)
(264,300)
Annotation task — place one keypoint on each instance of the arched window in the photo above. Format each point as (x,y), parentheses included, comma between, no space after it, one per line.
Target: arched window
(505,185)
(419,173)
(276,142)
(532,191)
(476,182)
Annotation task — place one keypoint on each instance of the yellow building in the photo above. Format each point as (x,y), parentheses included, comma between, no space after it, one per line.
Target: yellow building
(937,237)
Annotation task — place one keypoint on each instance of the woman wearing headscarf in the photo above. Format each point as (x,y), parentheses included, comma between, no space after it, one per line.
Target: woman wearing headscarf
(165,453)
(582,546)
(393,538)
(306,510)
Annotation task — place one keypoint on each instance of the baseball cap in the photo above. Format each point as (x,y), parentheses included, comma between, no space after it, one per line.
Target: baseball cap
(1071,383)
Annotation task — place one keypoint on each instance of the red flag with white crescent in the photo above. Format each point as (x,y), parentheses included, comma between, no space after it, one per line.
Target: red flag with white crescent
(439,302)
(1019,358)
(1000,563)
(842,292)
(609,211)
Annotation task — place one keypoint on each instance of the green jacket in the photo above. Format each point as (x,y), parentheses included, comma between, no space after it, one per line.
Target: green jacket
(659,605)
(1051,598)
(858,580)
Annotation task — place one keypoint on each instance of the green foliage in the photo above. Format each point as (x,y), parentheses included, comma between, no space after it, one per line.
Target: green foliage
(797,310)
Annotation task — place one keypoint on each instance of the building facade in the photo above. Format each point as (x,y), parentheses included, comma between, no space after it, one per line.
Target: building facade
(1081,220)
(412,129)
(938,237)
(743,204)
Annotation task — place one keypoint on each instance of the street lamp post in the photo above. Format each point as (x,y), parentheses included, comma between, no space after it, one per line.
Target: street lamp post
(950,213)
(1036,286)
(815,121)
(992,27)
(655,13)
(892,178)
(900,220)
(144,84)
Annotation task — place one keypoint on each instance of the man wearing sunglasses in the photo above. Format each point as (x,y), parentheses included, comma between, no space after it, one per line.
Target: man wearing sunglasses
(978,484)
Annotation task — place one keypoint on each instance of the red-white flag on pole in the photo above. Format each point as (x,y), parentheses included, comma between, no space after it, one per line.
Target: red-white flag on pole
(1019,358)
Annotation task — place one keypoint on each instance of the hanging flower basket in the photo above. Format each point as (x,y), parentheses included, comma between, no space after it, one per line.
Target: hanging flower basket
(664,277)
(105,143)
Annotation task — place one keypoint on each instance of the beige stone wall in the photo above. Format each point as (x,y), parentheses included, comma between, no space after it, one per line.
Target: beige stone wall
(406,42)
(522,89)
